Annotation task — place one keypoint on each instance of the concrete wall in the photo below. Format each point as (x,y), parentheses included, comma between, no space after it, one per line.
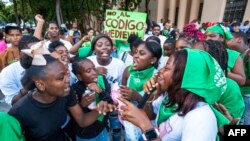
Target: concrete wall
(158,9)
(213,10)
(162,12)
(188,10)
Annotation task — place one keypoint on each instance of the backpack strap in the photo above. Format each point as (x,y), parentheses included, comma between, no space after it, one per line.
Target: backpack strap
(124,56)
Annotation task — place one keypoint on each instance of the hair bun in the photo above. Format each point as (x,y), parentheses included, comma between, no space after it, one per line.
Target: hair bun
(26,61)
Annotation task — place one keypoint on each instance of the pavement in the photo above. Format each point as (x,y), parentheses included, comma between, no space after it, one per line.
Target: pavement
(3,106)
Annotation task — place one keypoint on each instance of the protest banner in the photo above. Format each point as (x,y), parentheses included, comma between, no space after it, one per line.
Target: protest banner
(120,24)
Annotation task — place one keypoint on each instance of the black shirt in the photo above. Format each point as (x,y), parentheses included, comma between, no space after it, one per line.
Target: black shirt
(96,128)
(42,122)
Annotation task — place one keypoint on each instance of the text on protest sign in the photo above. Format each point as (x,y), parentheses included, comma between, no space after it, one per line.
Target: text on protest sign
(120,24)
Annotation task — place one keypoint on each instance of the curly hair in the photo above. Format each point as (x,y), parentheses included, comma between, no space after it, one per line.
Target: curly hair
(190,30)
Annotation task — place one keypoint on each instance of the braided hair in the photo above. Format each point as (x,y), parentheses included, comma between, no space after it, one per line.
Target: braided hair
(219,52)
(77,65)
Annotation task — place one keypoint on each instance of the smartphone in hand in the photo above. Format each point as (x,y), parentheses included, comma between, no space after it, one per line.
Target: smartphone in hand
(93,104)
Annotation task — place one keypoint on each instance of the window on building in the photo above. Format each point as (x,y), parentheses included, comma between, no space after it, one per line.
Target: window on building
(235,10)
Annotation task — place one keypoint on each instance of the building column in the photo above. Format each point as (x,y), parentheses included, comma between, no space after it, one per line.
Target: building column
(182,14)
(161,10)
(213,10)
(247,12)
(172,8)
(195,6)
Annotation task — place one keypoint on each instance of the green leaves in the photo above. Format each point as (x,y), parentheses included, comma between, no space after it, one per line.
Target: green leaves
(89,13)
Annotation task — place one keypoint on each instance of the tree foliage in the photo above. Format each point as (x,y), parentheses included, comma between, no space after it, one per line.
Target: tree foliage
(88,13)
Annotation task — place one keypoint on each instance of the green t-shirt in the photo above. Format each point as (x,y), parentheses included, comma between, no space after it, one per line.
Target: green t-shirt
(84,52)
(232,99)
(232,57)
(246,89)
(10,128)
(88,43)
(122,46)
(165,32)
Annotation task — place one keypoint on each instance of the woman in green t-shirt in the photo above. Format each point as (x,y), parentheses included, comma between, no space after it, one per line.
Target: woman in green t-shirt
(232,98)
(235,63)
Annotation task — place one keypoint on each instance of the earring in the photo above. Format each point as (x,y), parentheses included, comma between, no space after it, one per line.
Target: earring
(40,87)
(152,63)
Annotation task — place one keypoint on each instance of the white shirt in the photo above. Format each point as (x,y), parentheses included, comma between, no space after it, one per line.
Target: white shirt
(197,125)
(157,103)
(10,81)
(115,69)
(244,28)
(126,58)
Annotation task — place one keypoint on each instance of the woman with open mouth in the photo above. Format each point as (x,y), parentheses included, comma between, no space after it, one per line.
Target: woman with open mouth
(145,63)
(112,68)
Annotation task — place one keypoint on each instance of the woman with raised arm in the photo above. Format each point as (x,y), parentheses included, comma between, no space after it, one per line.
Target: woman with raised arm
(235,62)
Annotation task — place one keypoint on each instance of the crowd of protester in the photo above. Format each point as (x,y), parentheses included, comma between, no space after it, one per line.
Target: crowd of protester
(64,84)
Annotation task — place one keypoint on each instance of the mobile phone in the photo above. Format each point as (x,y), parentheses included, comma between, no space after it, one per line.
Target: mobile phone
(92,105)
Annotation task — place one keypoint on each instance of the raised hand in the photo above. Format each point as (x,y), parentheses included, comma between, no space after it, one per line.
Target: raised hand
(39,18)
(85,38)
(152,83)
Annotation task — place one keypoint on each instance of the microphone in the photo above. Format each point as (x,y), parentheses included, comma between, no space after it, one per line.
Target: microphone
(145,98)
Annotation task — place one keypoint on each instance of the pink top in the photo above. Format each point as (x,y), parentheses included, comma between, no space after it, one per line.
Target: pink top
(3,46)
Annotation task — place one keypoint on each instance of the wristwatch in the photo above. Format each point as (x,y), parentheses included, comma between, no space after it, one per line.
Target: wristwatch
(150,134)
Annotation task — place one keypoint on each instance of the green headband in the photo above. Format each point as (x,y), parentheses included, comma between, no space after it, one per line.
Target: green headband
(219,29)
(203,76)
